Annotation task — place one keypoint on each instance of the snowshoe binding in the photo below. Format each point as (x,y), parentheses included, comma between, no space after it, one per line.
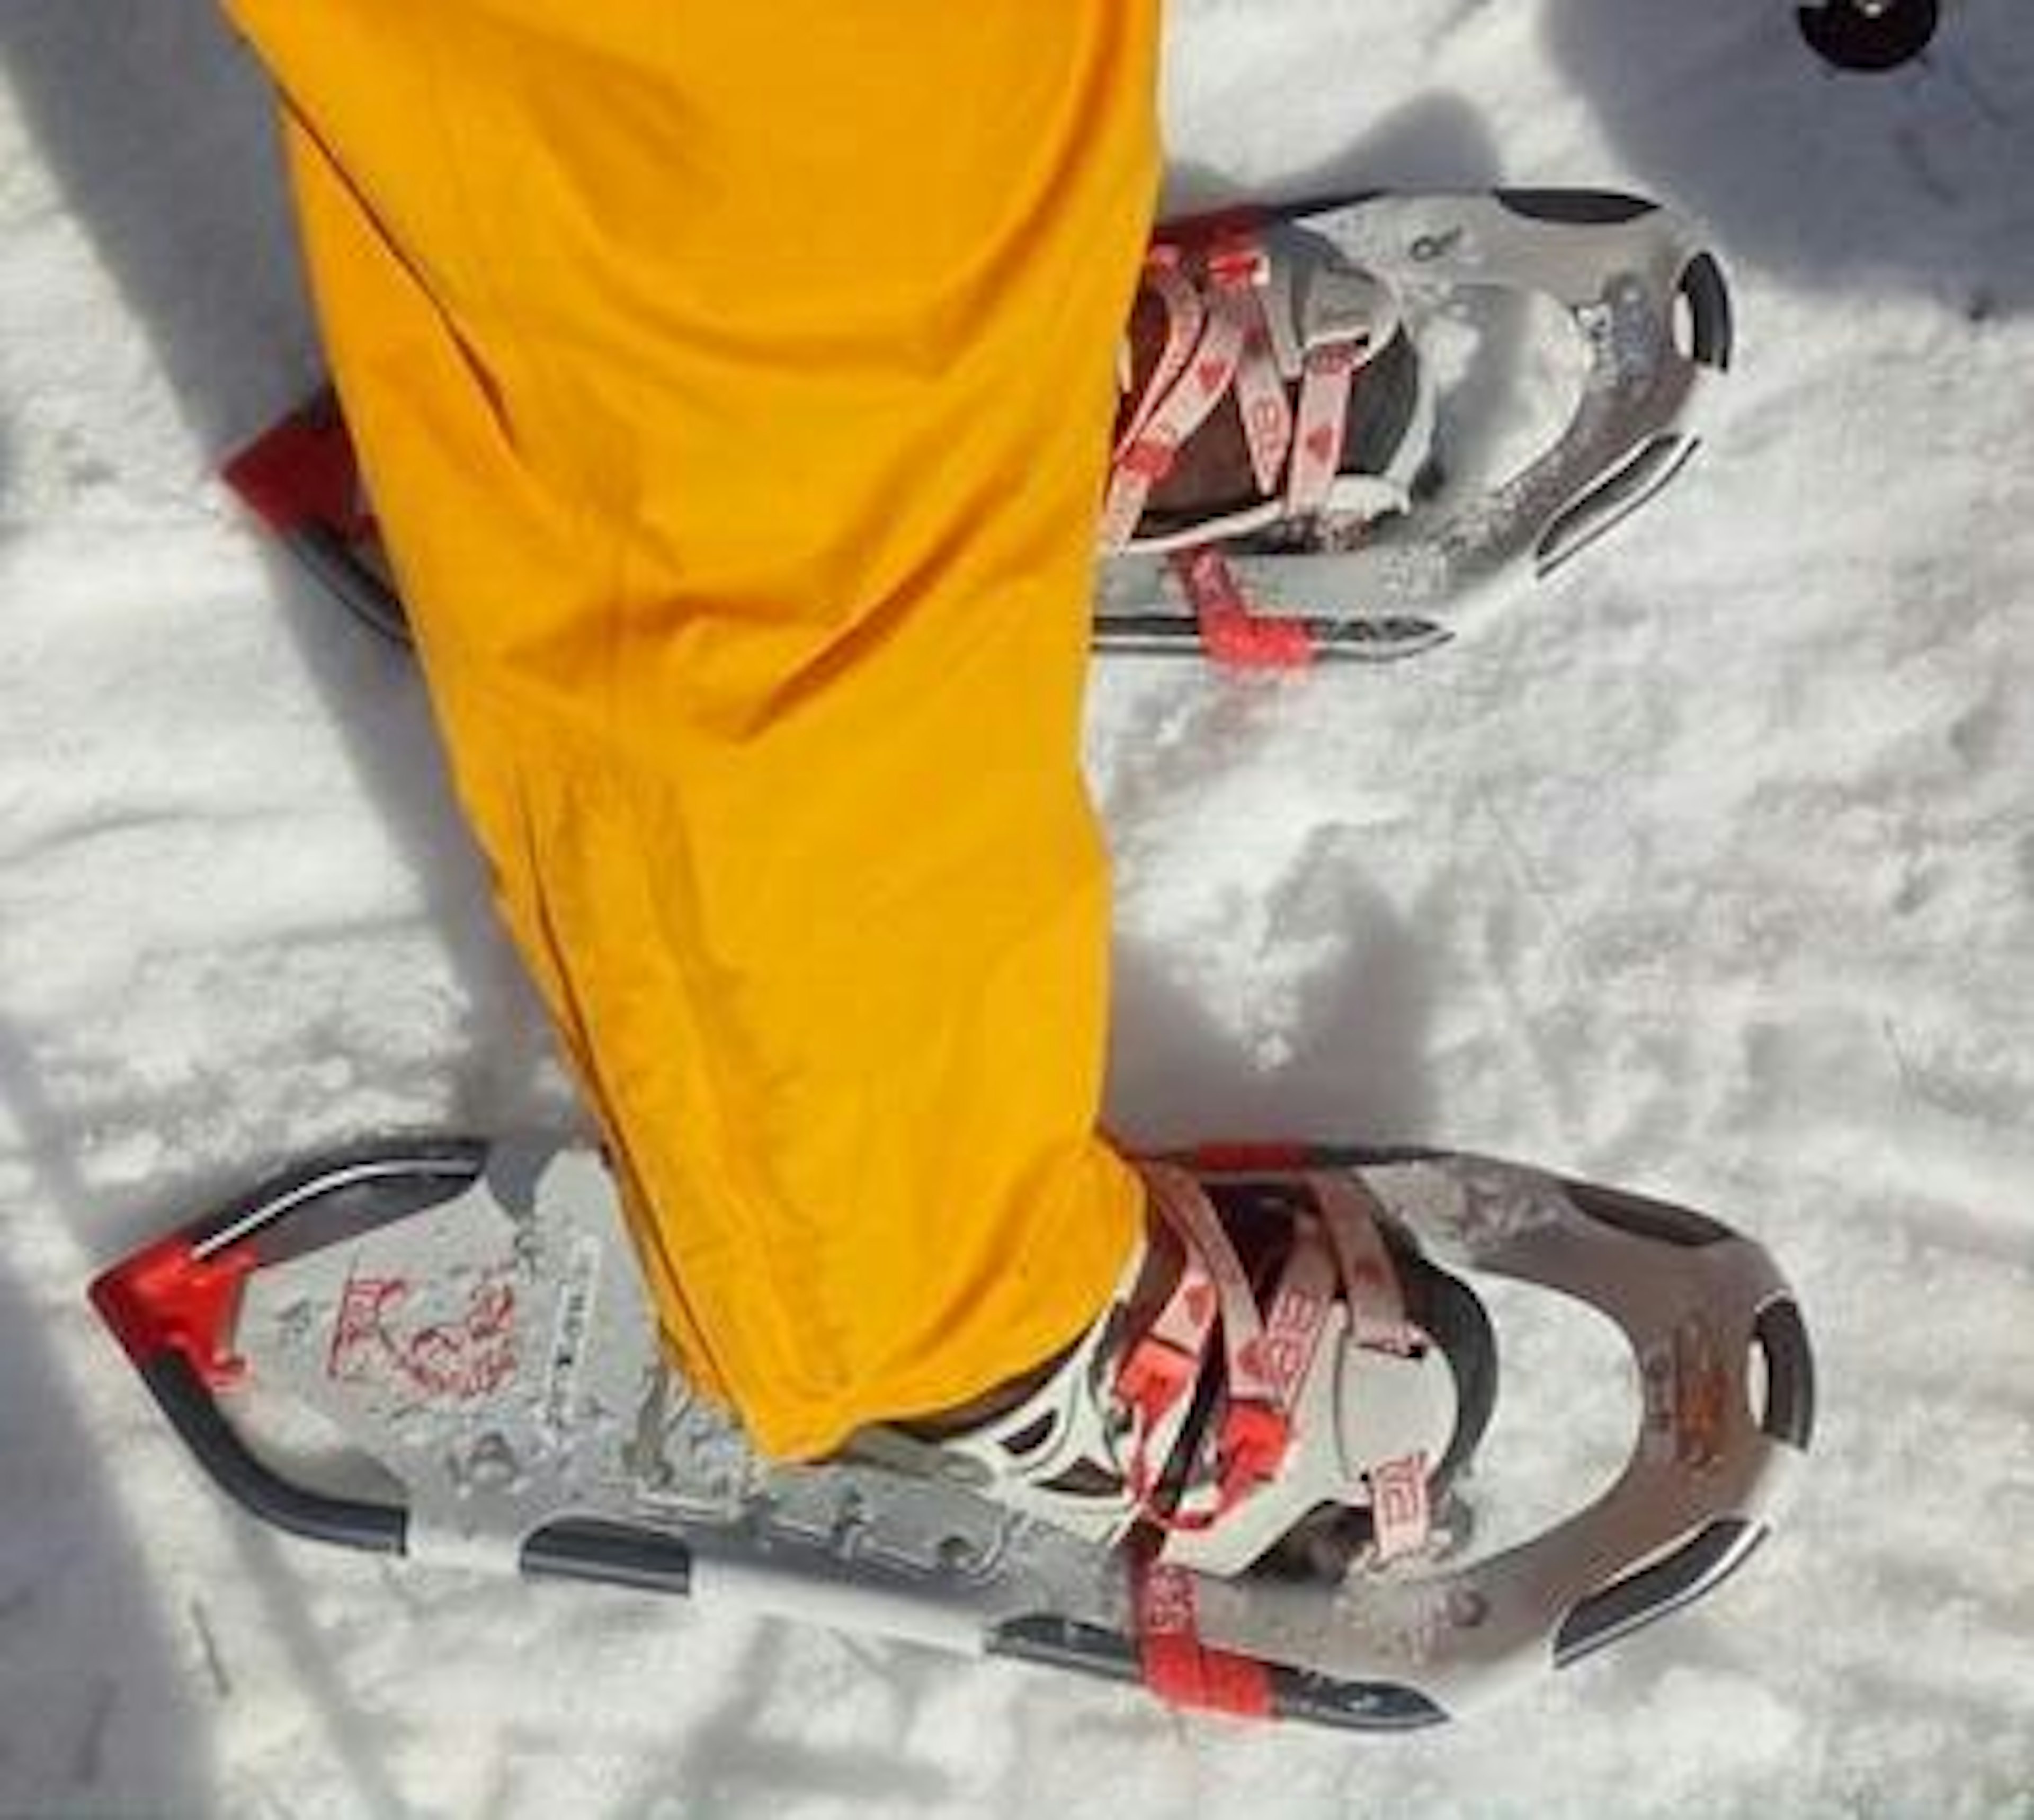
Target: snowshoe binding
(1286,483)
(1258,1376)
(1316,453)
(1247,1488)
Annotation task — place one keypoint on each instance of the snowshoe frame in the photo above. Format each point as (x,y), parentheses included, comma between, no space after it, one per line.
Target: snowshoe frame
(524,1412)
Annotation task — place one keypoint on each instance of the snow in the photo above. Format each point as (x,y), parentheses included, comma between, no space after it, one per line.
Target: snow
(1710,869)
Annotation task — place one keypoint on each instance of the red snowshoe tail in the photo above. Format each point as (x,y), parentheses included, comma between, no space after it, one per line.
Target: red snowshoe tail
(172,1298)
(302,478)
(301,471)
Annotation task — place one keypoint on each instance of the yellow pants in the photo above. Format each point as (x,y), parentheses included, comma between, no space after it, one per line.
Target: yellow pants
(734,383)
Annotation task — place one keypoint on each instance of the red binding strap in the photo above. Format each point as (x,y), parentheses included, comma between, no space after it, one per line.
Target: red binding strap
(1231,633)
(1178,1666)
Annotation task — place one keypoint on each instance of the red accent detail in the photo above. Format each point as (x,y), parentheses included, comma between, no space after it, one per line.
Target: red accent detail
(1240,1158)
(1230,633)
(469,1356)
(1212,375)
(1149,458)
(1156,1372)
(1216,224)
(1267,416)
(1199,1303)
(1255,1437)
(357,1338)
(1180,1669)
(303,472)
(1320,444)
(1155,1376)
(166,1299)
(1251,1448)
(1291,1336)
(1400,1511)
(1236,260)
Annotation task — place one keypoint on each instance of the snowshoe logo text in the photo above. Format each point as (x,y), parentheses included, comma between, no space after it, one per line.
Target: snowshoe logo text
(464,1358)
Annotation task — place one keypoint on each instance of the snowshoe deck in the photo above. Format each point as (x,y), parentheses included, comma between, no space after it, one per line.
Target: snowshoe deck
(468,1317)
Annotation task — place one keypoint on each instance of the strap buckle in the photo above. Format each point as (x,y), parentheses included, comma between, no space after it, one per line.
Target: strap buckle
(1155,1375)
(1239,261)
(1255,1438)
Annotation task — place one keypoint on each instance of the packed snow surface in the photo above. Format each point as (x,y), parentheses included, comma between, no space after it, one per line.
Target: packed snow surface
(1708,868)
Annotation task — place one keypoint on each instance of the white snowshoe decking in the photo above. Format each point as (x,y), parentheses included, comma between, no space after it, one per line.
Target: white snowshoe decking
(1338,553)
(469,1317)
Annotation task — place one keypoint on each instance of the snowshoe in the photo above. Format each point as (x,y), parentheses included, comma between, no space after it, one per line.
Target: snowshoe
(467,1319)
(1321,450)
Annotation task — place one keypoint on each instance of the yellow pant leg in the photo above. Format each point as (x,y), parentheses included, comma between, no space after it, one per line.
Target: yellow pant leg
(734,383)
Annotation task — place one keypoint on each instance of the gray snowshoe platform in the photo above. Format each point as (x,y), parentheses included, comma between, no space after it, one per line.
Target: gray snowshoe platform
(467,1319)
